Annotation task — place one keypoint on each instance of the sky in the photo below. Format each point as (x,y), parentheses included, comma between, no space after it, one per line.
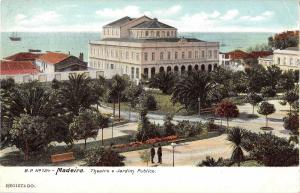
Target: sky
(185,15)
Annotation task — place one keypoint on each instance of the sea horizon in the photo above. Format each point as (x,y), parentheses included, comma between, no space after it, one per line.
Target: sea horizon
(76,42)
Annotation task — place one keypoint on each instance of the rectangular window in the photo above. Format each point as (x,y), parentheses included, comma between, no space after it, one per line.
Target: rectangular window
(137,56)
(127,55)
(176,55)
(291,61)
(169,55)
(190,54)
(209,54)
(111,66)
(153,56)
(203,54)
(182,55)
(137,73)
(161,57)
(215,53)
(146,56)
(147,33)
(132,72)
(196,54)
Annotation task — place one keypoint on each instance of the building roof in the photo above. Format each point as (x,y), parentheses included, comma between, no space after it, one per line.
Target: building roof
(257,54)
(236,54)
(154,23)
(53,57)
(17,67)
(151,40)
(23,56)
(119,22)
(270,57)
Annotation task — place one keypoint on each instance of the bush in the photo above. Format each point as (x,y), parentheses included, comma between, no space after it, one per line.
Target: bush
(291,123)
(104,157)
(168,125)
(188,129)
(270,150)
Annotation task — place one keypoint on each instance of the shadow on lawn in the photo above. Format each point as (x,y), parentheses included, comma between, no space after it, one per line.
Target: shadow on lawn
(246,116)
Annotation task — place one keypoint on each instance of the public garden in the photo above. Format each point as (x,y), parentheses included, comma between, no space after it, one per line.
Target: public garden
(219,118)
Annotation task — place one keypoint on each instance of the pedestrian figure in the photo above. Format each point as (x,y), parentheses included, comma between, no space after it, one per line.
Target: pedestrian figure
(152,152)
(159,154)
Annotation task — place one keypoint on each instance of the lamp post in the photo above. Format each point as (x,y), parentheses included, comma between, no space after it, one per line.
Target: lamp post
(173,145)
(199,105)
(112,126)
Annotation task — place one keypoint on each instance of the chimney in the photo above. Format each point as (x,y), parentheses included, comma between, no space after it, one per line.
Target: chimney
(81,56)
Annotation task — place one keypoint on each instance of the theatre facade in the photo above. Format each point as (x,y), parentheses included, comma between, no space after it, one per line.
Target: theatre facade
(136,46)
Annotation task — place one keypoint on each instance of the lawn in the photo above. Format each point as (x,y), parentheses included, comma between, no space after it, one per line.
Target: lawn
(164,104)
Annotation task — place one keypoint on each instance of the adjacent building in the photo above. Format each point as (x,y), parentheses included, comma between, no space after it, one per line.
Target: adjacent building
(286,59)
(136,46)
(51,62)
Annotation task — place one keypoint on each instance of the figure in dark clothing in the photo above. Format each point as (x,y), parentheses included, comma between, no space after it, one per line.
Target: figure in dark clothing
(152,152)
(159,154)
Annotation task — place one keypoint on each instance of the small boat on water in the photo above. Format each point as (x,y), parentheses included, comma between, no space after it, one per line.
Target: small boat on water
(34,50)
(14,37)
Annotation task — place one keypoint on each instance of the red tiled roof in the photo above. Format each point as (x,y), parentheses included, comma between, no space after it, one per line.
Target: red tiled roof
(53,57)
(17,67)
(23,56)
(257,54)
(236,54)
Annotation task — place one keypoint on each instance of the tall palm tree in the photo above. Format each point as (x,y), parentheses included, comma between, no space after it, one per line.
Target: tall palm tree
(235,136)
(76,93)
(194,85)
(118,86)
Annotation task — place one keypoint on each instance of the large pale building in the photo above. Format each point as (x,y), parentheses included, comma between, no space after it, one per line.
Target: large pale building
(286,59)
(136,46)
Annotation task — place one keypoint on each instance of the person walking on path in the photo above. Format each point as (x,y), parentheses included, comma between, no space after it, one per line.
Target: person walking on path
(152,152)
(159,154)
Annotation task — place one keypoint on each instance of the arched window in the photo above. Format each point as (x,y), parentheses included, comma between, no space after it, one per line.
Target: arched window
(157,34)
(147,33)
(168,33)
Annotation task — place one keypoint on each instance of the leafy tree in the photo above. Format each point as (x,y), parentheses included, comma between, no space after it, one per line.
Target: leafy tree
(85,125)
(291,97)
(194,85)
(146,130)
(211,162)
(256,78)
(7,84)
(98,87)
(266,109)
(254,99)
(103,122)
(145,156)
(271,150)
(227,109)
(164,81)
(268,92)
(76,93)
(273,74)
(133,93)
(118,86)
(104,157)
(286,81)
(291,123)
(239,82)
(29,134)
(148,101)
(296,76)
(168,125)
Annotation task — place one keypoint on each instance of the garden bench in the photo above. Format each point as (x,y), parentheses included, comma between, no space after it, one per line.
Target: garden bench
(62,157)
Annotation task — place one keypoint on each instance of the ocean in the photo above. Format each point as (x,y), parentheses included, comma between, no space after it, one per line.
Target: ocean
(75,42)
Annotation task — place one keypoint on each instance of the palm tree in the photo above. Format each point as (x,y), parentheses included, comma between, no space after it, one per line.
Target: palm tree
(118,86)
(77,94)
(211,162)
(194,85)
(235,136)
(164,81)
